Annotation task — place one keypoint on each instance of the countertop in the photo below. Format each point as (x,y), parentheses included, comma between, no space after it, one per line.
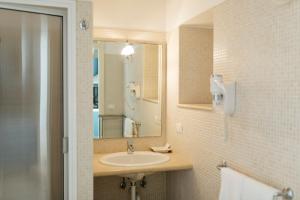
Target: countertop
(177,162)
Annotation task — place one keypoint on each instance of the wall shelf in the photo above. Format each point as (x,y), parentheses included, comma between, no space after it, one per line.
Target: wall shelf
(207,107)
(151,100)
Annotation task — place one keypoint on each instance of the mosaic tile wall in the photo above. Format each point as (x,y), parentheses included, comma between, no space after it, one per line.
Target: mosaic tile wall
(256,43)
(196,64)
(108,188)
(84,103)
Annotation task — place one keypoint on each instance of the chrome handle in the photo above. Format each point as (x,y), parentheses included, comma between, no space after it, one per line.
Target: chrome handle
(286,194)
(130,147)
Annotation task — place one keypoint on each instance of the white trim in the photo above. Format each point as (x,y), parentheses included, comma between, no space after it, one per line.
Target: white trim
(68,4)
(70,78)
(134,36)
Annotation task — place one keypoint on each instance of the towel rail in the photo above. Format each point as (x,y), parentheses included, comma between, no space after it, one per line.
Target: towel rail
(286,193)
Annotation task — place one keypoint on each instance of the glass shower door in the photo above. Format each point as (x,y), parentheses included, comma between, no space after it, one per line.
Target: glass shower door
(31,106)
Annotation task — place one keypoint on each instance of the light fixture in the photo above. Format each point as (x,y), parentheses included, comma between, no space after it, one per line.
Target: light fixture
(128,50)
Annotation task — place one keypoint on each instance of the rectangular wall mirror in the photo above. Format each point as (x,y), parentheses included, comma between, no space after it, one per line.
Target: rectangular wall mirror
(128,87)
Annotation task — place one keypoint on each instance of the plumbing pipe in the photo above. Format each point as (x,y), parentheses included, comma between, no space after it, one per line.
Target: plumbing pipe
(133,190)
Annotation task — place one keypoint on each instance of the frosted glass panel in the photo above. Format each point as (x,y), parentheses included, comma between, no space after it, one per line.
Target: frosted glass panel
(31,117)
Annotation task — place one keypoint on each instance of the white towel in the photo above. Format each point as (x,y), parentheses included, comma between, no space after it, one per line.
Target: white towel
(253,189)
(237,186)
(231,184)
(128,128)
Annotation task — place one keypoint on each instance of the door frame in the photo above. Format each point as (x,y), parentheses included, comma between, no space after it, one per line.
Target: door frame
(101,84)
(66,9)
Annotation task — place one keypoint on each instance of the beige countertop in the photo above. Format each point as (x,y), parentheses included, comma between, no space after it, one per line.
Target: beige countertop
(176,162)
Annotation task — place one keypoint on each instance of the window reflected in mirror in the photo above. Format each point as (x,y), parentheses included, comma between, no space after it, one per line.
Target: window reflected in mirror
(127,89)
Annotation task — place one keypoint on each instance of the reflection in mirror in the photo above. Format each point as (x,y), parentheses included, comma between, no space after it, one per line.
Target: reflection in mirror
(127,89)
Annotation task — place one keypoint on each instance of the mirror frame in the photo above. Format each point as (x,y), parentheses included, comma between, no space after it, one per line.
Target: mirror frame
(140,37)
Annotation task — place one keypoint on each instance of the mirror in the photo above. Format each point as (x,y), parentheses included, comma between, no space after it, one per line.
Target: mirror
(127,89)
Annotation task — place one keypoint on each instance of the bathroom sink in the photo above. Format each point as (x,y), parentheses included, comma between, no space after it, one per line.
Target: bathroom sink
(136,159)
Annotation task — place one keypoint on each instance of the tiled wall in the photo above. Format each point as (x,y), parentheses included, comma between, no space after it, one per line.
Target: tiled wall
(117,145)
(196,64)
(108,188)
(84,103)
(257,43)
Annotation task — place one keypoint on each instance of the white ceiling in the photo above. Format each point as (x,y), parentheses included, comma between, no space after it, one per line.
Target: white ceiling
(151,15)
(130,14)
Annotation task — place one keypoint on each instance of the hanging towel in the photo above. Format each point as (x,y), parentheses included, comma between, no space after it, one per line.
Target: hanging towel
(237,186)
(253,189)
(128,128)
(231,184)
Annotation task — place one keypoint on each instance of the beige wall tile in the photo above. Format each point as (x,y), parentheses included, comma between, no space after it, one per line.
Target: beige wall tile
(108,188)
(257,43)
(196,64)
(84,103)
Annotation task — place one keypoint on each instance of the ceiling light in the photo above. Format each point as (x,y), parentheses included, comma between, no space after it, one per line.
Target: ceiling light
(128,50)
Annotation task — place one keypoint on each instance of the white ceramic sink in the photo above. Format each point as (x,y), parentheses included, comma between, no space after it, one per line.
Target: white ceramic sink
(136,159)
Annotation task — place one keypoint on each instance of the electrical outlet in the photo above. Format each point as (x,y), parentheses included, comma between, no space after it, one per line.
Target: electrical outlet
(179,128)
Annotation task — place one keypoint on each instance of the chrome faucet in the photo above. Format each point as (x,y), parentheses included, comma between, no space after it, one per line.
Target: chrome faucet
(130,147)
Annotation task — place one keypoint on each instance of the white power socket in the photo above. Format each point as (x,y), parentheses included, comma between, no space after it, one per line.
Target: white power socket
(179,128)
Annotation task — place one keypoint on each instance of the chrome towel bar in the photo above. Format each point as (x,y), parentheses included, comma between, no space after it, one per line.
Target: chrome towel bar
(220,166)
(286,193)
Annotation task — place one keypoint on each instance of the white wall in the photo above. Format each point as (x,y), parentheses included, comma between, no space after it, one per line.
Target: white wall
(130,14)
(154,15)
(179,11)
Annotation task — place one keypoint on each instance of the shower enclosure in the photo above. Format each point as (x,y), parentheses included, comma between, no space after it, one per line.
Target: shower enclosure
(31,106)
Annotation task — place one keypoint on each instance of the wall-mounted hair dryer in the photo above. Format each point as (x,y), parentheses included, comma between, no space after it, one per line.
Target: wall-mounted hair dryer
(223,95)
(134,89)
